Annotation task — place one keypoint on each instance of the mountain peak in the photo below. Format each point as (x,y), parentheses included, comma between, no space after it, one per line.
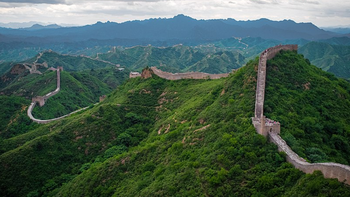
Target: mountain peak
(183,17)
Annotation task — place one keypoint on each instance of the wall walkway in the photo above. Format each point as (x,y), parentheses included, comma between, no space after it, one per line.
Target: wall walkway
(271,128)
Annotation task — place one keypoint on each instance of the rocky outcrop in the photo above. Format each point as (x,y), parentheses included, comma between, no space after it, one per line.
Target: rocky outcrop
(146,73)
(17,69)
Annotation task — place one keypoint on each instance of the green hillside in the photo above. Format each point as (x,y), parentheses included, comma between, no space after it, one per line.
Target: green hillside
(13,117)
(313,107)
(77,91)
(70,63)
(250,47)
(78,88)
(153,137)
(331,58)
(178,58)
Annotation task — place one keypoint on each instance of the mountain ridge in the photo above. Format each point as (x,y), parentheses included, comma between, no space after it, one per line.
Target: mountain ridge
(179,27)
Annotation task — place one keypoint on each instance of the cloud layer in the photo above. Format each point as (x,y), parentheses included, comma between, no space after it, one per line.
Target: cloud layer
(80,12)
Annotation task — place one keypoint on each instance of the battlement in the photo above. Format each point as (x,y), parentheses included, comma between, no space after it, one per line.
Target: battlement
(264,126)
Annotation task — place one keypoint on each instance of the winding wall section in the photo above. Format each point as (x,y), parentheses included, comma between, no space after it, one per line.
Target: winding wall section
(271,128)
(41,100)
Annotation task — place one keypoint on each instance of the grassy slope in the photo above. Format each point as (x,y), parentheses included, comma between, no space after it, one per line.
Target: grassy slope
(14,120)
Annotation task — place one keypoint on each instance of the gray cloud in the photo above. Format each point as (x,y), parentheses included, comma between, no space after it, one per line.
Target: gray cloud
(320,12)
(35,1)
(264,1)
(70,1)
(308,2)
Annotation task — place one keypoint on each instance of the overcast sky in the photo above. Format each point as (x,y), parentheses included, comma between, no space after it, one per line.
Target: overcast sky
(322,13)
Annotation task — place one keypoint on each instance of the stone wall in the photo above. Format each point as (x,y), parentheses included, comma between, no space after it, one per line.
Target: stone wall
(329,170)
(260,89)
(271,129)
(31,107)
(41,99)
(188,75)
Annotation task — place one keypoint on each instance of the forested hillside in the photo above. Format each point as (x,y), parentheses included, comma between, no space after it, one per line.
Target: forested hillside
(313,107)
(153,137)
(79,89)
(178,58)
(331,58)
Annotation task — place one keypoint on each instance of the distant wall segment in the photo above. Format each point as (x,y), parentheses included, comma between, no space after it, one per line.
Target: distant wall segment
(41,100)
(271,128)
(188,75)
(31,107)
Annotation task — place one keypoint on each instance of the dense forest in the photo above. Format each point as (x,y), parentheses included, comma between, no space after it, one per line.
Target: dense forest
(153,137)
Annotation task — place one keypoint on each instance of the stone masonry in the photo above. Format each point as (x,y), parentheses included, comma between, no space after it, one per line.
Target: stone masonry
(271,128)
(188,75)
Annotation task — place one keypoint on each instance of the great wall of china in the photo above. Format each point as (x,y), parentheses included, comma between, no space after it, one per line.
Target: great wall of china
(188,75)
(271,129)
(41,100)
(264,126)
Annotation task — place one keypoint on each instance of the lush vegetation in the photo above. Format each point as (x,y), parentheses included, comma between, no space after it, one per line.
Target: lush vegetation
(331,58)
(313,107)
(78,88)
(178,58)
(13,117)
(153,137)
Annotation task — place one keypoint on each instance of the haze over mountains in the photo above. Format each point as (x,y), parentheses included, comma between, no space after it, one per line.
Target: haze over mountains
(180,27)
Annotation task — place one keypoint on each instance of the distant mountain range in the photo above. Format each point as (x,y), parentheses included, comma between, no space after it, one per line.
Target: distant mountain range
(331,58)
(180,27)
